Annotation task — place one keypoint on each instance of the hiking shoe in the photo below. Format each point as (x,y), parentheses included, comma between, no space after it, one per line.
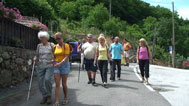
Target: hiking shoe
(43,101)
(49,100)
(112,80)
(89,82)
(105,85)
(94,83)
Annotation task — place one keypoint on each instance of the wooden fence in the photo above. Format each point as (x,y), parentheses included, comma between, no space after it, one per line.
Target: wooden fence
(17,35)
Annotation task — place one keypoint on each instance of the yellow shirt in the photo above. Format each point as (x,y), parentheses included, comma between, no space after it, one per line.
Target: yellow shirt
(103,55)
(60,53)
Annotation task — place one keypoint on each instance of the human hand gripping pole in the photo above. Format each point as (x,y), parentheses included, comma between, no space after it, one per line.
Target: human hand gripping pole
(31,81)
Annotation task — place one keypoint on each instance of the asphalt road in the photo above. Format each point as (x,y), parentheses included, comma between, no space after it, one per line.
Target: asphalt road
(125,92)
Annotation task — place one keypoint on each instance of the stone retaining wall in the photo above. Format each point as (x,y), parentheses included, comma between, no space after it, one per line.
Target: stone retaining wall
(14,66)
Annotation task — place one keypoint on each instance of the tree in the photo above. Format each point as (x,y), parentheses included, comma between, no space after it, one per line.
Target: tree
(98,16)
(84,7)
(134,33)
(113,26)
(68,10)
(148,26)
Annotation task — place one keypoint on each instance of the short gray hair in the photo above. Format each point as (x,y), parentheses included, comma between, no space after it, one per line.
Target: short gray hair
(90,35)
(43,34)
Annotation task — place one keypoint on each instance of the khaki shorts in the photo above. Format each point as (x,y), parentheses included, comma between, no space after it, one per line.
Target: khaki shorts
(126,54)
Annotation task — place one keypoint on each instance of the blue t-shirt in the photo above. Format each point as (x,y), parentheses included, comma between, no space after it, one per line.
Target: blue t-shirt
(116,50)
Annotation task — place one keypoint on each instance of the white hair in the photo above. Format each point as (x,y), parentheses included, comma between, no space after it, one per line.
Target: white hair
(43,34)
(101,34)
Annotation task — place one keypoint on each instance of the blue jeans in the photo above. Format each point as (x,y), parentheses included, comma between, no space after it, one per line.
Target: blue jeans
(63,69)
(45,76)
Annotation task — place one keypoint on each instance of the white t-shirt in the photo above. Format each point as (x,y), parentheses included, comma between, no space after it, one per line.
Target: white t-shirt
(89,50)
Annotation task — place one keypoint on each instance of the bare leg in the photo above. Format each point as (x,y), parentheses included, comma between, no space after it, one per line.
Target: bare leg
(147,81)
(64,84)
(57,79)
(125,61)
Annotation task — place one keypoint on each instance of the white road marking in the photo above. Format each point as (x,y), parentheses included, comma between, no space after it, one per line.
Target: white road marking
(147,86)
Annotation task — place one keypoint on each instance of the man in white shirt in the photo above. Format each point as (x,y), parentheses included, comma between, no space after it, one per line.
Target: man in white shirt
(79,50)
(89,50)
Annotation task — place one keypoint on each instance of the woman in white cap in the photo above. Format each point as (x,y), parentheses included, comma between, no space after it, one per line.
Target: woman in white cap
(44,56)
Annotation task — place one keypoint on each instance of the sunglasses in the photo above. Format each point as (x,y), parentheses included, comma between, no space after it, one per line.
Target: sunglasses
(58,38)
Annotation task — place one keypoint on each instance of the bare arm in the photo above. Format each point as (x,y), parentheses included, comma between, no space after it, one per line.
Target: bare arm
(96,56)
(36,57)
(65,58)
(137,56)
(150,56)
(109,57)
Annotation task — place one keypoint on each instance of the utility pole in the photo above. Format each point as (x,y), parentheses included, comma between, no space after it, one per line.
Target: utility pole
(51,26)
(110,10)
(154,43)
(173,39)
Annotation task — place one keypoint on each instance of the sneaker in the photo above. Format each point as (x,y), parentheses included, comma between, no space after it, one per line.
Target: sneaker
(112,80)
(105,85)
(43,101)
(94,83)
(89,82)
(49,100)
(118,78)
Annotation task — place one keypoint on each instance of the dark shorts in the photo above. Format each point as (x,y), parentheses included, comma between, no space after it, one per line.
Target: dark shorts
(89,65)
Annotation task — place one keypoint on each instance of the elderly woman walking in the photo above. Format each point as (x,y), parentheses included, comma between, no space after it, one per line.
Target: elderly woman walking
(61,67)
(102,59)
(143,59)
(44,55)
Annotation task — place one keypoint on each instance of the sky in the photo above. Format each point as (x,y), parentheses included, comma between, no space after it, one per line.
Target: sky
(181,6)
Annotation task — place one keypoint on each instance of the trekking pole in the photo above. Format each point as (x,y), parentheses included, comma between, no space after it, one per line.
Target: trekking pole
(79,71)
(31,81)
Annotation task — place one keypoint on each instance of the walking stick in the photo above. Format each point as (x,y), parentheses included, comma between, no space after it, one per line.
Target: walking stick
(31,81)
(79,71)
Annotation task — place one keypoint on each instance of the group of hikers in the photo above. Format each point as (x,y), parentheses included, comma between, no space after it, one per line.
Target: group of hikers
(54,60)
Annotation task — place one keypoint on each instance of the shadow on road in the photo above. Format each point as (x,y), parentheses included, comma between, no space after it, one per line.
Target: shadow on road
(125,80)
(121,86)
(73,100)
